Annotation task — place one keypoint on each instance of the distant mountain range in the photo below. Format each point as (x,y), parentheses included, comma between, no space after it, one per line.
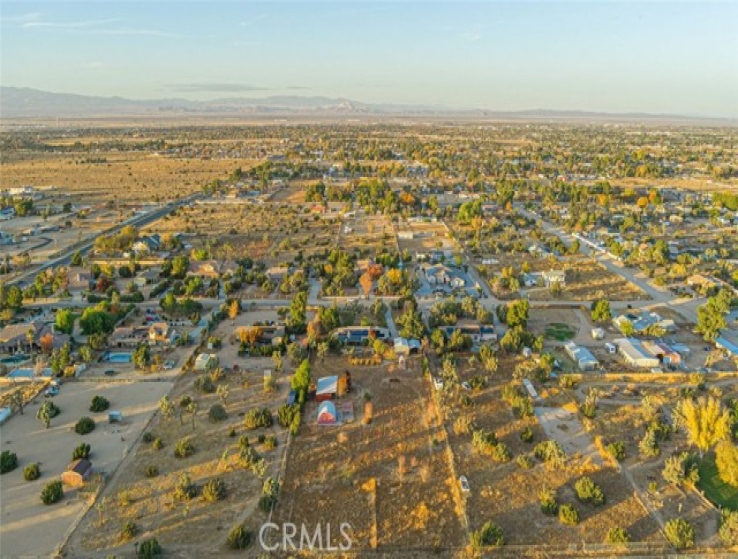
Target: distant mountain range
(18,102)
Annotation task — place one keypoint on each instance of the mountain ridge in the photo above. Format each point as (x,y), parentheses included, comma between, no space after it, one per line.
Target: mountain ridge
(23,102)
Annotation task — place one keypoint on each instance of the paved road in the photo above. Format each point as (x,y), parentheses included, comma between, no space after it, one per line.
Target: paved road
(660,296)
(85,246)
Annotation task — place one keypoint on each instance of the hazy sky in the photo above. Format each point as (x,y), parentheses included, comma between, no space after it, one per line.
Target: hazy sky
(667,57)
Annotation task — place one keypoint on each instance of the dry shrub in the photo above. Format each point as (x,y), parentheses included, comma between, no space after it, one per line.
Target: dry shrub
(342,438)
(402,465)
(425,473)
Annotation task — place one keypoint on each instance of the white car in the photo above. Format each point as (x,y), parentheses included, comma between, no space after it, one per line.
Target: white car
(168,365)
(465,385)
(464,483)
(438,383)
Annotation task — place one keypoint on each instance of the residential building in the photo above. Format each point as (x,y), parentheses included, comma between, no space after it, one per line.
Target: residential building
(635,354)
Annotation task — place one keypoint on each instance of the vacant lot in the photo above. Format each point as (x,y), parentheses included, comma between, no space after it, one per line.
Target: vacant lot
(390,479)
(197,524)
(28,526)
(130,176)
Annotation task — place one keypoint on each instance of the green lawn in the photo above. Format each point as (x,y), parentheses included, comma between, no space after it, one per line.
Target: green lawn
(715,489)
(559,331)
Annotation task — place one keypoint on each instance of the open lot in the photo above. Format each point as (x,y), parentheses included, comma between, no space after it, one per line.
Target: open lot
(28,526)
(390,479)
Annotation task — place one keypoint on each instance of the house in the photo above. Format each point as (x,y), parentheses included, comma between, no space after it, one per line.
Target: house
(146,277)
(211,269)
(552,277)
(530,280)
(726,344)
(360,334)
(206,362)
(404,346)
(581,356)
(24,336)
(538,251)
(147,243)
(276,273)
(161,333)
(126,336)
(663,352)
(77,473)
(78,282)
(643,322)
(327,388)
(327,414)
(635,354)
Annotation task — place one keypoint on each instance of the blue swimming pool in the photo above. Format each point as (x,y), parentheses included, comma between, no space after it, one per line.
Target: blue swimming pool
(118,357)
(27,373)
(14,359)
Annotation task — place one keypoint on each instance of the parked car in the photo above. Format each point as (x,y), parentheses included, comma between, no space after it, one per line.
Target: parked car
(465,385)
(438,383)
(110,372)
(464,484)
(168,365)
(51,391)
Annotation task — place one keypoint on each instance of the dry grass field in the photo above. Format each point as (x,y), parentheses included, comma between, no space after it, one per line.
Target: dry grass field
(390,479)
(367,234)
(196,527)
(274,233)
(128,177)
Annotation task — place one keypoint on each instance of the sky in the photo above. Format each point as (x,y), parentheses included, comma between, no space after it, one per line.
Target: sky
(653,57)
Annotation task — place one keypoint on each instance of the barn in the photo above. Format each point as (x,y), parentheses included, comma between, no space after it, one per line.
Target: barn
(77,473)
(327,413)
(327,388)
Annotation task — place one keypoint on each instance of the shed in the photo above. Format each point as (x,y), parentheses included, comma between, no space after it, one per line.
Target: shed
(327,388)
(77,473)
(327,413)
(598,333)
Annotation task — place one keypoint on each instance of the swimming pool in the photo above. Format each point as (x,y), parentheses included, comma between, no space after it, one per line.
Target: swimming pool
(27,373)
(118,358)
(14,359)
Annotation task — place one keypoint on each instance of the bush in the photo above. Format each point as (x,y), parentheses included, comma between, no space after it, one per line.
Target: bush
(152,470)
(185,489)
(52,492)
(149,549)
(214,490)
(99,404)
(185,401)
(270,442)
(617,535)
(680,533)
(547,497)
(729,528)
(261,438)
(286,414)
(239,537)
(128,530)
(81,451)
(524,461)
(217,413)
(183,448)
(526,435)
(268,494)
(84,425)
(148,437)
(568,515)
(500,453)
(256,418)
(589,492)
(157,444)
(488,535)
(551,453)
(31,472)
(616,450)
(681,470)
(8,461)
(204,384)
(248,457)
(232,432)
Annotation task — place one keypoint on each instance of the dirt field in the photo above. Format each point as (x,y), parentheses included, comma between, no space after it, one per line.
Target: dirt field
(367,234)
(270,232)
(129,175)
(28,526)
(427,236)
(390,480)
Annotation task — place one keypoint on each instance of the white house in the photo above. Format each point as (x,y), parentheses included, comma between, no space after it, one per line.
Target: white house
(554,277)
(635,354)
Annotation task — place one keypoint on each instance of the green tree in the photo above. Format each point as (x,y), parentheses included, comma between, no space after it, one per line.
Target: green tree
(680,533)
(65,321)
(142,356)
(601,310)
(710,319)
